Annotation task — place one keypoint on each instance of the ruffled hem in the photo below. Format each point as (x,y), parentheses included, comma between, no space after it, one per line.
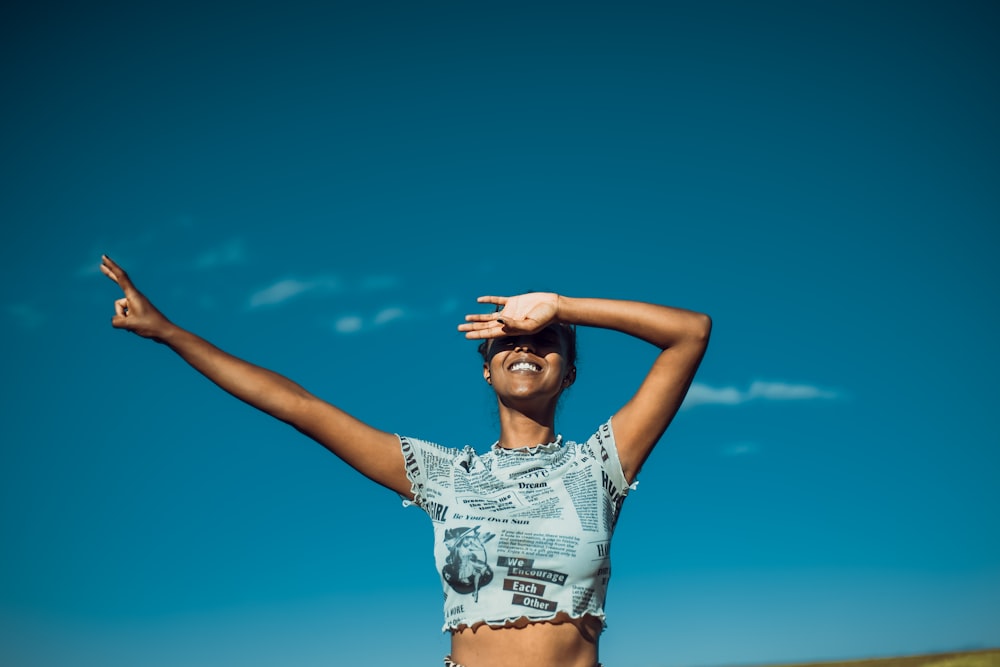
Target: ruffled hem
(523,620)
(553,446)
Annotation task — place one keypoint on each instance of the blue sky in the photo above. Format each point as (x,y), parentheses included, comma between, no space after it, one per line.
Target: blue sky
(324,189)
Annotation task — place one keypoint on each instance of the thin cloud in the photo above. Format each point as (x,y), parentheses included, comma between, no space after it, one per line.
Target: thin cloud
(781,391)
(740,449)
(703,394)
(348,324)
(354,324)
(387,315)
(128,249)
(91,268)
(291,288)
(230,252)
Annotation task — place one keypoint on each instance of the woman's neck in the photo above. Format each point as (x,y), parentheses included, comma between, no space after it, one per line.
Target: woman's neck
(518,429)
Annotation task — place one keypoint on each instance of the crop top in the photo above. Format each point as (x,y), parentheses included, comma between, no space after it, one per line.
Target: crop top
(520,532)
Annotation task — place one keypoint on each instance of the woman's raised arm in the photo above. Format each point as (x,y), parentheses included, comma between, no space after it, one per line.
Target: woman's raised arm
(374,453)
(682,336)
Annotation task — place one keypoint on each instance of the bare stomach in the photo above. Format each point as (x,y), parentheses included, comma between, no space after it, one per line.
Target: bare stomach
(563,641)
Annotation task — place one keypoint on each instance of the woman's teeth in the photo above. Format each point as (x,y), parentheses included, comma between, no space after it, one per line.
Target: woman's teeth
(525,366)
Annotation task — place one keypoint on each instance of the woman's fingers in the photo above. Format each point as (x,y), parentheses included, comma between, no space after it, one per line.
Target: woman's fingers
(120,320)
(479,325)
(477,330)
(518,314)
(482,317)
(108,272)
(117,274)
(485,325)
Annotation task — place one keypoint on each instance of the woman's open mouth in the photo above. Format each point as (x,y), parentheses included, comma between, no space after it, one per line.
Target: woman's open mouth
(524,366)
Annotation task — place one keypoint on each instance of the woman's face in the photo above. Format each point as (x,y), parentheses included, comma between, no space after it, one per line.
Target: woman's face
(523,367)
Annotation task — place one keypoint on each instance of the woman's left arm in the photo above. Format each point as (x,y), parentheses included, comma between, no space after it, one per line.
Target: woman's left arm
(682,336)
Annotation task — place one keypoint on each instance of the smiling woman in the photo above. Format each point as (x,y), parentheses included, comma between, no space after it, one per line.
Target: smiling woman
(522,532)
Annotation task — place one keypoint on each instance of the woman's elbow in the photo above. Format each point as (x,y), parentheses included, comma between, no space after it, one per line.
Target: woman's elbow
(701,328)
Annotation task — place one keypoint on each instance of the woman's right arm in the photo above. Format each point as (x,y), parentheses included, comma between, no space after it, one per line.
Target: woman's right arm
(373,453)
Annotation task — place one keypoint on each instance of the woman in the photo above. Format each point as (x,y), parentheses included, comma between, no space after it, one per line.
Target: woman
(522,533)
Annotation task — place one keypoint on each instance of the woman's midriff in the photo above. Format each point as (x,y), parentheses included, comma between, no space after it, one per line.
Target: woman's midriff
(563,641)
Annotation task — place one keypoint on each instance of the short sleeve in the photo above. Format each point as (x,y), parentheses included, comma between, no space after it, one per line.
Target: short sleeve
(429,469)
(606,449)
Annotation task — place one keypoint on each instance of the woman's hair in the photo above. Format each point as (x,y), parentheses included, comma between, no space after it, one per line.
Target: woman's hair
(566,331)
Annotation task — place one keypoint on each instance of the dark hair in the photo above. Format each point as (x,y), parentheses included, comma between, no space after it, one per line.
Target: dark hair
(566,331)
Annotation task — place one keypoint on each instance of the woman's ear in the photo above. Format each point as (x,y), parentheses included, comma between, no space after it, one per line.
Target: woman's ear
(570,377)
(486,373)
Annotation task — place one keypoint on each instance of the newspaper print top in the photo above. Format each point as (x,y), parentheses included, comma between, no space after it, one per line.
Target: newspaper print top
(520,533)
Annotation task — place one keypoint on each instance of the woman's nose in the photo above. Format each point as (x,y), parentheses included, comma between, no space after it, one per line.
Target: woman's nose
(524,343)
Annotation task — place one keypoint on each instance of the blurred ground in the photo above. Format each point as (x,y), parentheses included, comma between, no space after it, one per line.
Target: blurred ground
(983,658)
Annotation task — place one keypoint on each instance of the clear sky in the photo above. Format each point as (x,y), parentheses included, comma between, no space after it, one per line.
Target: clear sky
(324,189)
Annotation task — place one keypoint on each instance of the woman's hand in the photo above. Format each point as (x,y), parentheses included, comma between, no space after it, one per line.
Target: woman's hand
(133,312)
(522,314)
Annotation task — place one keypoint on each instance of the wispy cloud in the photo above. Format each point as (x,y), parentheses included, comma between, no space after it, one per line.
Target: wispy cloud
(782,391)
(387,315)
(348,324)
(24,316)
(90,268)
(148,240)
(232,251)
(147,248)
(287,289)
(741,449)
(354,323)
(703,394)
(368,318)
(290,288)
